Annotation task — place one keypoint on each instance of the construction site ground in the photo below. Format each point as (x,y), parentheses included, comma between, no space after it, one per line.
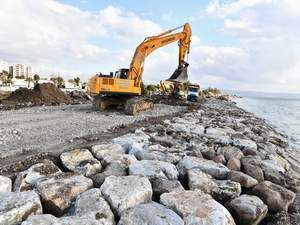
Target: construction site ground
(32,133)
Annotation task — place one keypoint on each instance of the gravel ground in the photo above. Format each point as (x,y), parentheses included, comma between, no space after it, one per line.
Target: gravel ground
(50,128)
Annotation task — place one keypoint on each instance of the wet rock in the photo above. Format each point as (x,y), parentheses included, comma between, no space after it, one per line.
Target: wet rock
(216,170)
(242,178)
(27,179)
(126,192)
(202,181)
(113,169)
(17,206)
(227,190)
(196,207)
(234,164)
(122,159)
(277,198)
(58,191)
(161,185)
(244,143)
(151,214)
(91,205)
(248,210)
(81,161)
(47,219)
(5,184)
(154,169)
(103,150)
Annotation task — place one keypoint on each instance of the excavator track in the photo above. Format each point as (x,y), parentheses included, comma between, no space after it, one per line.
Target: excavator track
(138,104)
(132,105)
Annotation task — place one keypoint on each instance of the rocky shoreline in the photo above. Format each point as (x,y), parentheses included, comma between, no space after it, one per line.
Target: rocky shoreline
(215,165)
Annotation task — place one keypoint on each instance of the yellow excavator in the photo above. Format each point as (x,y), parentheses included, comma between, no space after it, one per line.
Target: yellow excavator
(124,86)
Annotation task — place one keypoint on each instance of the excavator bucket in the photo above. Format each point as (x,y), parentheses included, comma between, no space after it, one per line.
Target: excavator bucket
(180,75)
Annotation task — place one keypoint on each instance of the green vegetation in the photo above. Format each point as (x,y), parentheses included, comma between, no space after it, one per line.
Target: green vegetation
(149,89)
(6,78)
(36,78)
(58,81)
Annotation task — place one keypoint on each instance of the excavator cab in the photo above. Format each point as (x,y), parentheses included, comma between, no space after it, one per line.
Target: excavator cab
(122,73)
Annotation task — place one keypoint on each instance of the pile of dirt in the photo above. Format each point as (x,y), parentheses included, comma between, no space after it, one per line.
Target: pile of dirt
(41,94)
(169,100)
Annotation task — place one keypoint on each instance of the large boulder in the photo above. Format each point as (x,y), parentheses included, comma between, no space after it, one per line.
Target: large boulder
(151,214)
(242,178)
(277,198)
(27,179)
(126,192)
(252,167)
(202,181)
(244,143)
(81,161)
(161,185)
(91,205)
(230,152)
(47,219)
(57,192)
(196,207)
(227,190)
(103,150)
(5,184)
(112,169)
(234,164)
(210,167)
(248,210)
(154,169)
(123,159)
(17,206)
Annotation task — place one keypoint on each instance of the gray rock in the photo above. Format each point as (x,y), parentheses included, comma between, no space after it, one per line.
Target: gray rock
(113,169)
(27,179)
(244,143)
(196,207)
(91,205)
(123,159)
(248,210)
(227,190)
(57,192)
(216,170)
(161,185)
(5,184)
(202,181)
(242,178)
(230,152)
(277,198)
(81,161)
(151,214)
(47,219)
(103,150)
(17,206)
(252,167)
(126,192)
(154,169)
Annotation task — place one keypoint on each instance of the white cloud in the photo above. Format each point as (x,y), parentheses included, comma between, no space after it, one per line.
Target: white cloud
(59,37)
(267,56)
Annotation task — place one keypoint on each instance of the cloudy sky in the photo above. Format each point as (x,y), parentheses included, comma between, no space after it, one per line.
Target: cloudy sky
(239,45)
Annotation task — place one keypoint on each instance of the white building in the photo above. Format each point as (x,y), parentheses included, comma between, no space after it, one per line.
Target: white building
(4,66)
(19,70)
(28,73)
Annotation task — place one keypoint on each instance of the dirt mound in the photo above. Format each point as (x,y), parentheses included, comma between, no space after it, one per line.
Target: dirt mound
(42,94)
(169,100)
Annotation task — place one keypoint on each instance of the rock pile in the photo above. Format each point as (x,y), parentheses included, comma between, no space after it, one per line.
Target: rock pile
(216,165)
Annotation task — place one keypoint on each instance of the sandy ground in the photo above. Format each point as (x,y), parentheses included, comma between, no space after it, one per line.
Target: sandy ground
(56,128)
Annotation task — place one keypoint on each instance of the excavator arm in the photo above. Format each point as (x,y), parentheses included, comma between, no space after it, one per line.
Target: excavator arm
(150,44)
